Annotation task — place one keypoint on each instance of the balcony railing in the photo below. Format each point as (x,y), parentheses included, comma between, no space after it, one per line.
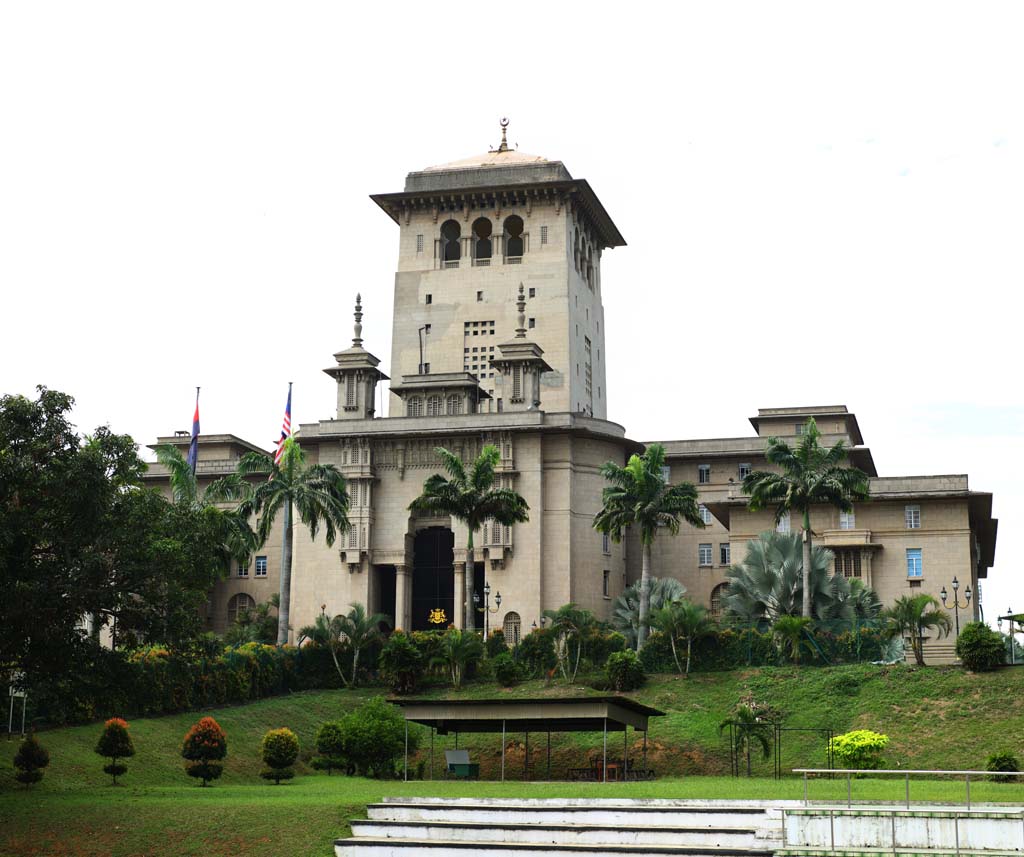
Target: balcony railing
(513,260)
(452,263)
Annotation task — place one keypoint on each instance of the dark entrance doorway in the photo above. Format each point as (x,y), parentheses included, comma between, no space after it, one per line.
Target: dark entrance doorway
(433,579)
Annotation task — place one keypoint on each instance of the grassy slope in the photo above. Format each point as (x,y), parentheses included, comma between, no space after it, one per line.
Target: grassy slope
(937,719)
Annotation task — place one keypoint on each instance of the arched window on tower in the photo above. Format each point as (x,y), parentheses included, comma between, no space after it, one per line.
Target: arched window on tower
(434,407)
(576,250)
(717,607)
(454,404)
(482,241)
(240,603)
(514,244)
(590,267)
(414,407)
(451,248)
(512,628)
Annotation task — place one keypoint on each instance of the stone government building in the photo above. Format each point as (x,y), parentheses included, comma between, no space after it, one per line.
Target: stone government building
(498,337)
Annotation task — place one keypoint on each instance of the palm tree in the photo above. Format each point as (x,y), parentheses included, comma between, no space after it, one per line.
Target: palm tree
(354,628)
(682,621)
(769,581)
(911,615)
(470,497)
(638,496)
(570,624)
(316,492)
(238,538)
(790,633)
(747,728)
(457,651)
(626,609)
(811,475)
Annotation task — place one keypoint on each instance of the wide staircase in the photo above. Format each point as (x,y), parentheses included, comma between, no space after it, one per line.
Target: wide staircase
(402,827)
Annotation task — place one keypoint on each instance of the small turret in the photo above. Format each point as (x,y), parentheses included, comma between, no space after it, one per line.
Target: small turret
(357,375)
(521,364)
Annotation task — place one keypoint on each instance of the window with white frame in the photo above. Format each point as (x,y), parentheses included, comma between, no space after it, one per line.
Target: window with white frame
(801,428)
(414,407)
(783,525)
(703,474)
(434,406)
(666,473)
(912,515)
(705,515)
(243,570)
(744,471)
(848,520)
(915,567)
(704,554)
(419,243)
(261,566)
(724,554)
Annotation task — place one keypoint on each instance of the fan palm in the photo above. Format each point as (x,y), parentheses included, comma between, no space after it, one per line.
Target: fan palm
(911,615)
(456,651)
(570,625)
(316,492)
(470,497)
(626,609)
(354,629)
(638,496)
(811,475)
(685,622)
(747,729)
(238,538)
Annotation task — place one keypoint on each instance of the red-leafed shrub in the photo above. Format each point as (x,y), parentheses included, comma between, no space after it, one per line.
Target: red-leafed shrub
(203,749)
(115,743)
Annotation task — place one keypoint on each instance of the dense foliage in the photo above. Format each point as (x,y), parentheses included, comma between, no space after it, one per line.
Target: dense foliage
(115,744)
(401,662)
(626,608)
(280,749)
(980,648)
(30,760)
(373,738)
(330,745)
(861,749)
(624,671)
(506,670)
(1004,761)
(204,749)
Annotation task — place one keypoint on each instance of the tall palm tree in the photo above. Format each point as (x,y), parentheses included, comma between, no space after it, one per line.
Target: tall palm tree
(570,625)
(638,496)
(682,621)
(811,475)
(470,497)
(316,492)
(238,538)
(355,628)
(626,609)
(912,615)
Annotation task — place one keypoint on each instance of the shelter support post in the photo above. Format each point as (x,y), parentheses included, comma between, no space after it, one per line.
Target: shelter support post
(526,759)
(604,762)
(405,769)
(549,754)
(645,751)
(503,751)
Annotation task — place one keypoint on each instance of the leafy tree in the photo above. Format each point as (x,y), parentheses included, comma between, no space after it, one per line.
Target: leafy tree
(682,622)
(626,608)
(624,670)
(911,615)
(470,497)
(354,631)
(374,738)
(316,492)
(30,760)
(204,749)
(570,625)
(280,749)
(458,650)
(979,647)
(401,663)
(330,744)
(258,625)
(115,743)
(637,495)
(810,476)
(790,634)
(747,728)
(506,670)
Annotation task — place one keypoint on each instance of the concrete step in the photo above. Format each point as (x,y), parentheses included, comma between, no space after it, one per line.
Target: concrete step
(370,847)
(486,832)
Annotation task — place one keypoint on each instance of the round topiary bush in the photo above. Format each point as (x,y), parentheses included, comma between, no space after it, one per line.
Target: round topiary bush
(330,744)
(860,750)
(115,743)
(624,670)
(506,670)
(204,749)
(1004,761)
(280,749)
(980,648)
(30,760)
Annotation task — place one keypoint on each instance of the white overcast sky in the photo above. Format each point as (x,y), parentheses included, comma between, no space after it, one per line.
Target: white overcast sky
(824,204)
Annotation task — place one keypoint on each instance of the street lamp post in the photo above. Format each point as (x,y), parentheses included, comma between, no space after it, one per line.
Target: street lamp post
(487,609)
(957,606)
(999,621)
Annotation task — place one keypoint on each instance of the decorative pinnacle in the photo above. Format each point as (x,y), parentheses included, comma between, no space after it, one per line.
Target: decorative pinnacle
(504,139)
(521,306)
(357,340)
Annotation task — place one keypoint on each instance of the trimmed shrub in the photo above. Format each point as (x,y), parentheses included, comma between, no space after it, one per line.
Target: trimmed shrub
(496,644)
(624,670)
(506,670)
(204,749)
(330,744)
(280,748)
(1004,761)
(980,648)
(373,737)
(401,663)
(599,645)
(861,749)
(537,652)
(30,760)
(115,743)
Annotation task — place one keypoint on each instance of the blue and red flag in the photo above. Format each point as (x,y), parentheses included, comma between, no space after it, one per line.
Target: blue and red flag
(286,427)
(193,447)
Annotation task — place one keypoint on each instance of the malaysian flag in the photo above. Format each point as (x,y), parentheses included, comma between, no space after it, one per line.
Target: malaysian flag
(286,426)
(193,447)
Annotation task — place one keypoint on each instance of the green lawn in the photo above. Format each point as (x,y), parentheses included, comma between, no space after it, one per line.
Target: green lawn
(937,718)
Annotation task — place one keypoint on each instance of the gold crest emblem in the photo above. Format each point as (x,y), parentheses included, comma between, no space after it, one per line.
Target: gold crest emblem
(437,616)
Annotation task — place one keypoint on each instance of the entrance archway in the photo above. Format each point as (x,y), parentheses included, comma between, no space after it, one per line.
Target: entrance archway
(433,578)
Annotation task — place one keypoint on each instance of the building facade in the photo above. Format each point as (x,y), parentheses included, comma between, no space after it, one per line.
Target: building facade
(498,338)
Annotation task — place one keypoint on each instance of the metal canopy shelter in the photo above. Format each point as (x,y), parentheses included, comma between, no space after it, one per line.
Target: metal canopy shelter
(568,714)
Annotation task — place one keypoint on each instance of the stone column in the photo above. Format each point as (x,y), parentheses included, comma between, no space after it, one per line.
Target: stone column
(403,597)
(459,593)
